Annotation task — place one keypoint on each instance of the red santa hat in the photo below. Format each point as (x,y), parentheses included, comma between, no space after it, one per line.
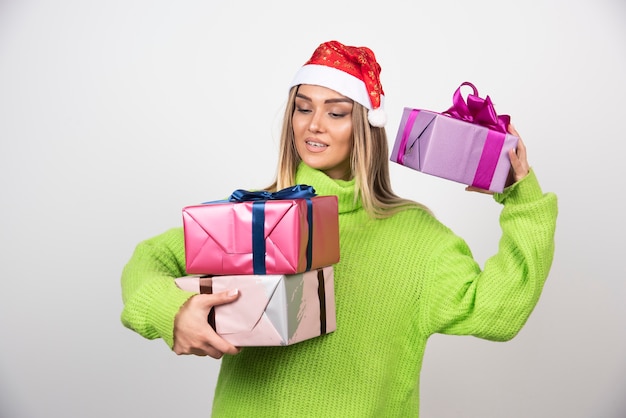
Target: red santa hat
(349,70)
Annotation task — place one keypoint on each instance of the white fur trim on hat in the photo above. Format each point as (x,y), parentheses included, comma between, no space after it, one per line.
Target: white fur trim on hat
(342,83)
(334,79)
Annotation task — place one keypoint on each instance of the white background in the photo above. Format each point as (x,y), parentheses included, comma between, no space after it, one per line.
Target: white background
(114,115)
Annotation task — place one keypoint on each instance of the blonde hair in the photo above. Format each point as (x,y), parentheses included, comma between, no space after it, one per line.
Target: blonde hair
(369,163)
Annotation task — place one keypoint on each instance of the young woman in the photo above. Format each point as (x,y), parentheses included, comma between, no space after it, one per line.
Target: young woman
(403,275)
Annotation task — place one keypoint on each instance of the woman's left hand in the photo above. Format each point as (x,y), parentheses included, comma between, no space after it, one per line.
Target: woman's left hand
(519,164)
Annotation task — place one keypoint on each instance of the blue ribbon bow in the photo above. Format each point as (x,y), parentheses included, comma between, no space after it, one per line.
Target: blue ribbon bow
(299,191)
(258,199)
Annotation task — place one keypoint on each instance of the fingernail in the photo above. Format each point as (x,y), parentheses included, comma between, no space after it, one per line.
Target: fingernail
(233,292)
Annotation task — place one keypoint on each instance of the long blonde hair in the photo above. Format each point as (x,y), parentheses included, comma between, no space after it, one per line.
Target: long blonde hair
(369,163)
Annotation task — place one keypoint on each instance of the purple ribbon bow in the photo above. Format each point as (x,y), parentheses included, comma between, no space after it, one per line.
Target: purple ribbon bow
(477,110)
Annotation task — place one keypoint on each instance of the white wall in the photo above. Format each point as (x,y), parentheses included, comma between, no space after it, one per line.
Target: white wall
(116,114)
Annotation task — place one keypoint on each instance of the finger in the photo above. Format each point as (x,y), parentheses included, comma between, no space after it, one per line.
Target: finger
(226,296)
(208,300)
(211,344)
(512,130)
(515,161)
(478,190)
(214,352)
(221,345)
(519,165)
(206,352)
(217,354)
(521,150)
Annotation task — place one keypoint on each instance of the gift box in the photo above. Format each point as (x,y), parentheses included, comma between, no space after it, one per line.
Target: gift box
(272,310)
(285,232)
(468,143)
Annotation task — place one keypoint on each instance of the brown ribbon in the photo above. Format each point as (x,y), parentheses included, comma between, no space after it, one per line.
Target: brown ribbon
(206,287)
(321,292)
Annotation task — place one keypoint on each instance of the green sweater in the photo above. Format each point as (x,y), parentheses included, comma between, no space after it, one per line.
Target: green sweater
(400,280)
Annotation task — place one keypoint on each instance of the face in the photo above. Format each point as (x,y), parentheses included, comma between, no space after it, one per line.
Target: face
(322,128)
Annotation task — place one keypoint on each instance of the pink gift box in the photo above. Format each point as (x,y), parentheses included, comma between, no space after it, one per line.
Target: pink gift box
(272,310)
(267,237)
(468,143)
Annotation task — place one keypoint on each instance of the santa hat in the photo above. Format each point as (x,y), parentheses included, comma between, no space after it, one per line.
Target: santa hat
(349,70)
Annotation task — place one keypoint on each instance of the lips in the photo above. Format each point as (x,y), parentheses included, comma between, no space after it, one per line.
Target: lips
(315,146)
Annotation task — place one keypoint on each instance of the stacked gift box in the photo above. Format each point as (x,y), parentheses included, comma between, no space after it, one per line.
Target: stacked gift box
(468,143)
(278,249)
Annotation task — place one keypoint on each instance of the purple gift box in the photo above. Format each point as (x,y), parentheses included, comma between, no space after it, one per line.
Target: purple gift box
(468,143)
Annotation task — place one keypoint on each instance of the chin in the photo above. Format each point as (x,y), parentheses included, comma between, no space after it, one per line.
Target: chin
(315,163)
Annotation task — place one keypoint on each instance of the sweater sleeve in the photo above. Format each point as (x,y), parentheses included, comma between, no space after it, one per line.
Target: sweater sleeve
(494,303)
(150,295)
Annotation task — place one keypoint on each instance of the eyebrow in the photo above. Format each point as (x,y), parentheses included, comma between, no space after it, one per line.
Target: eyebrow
(336,100)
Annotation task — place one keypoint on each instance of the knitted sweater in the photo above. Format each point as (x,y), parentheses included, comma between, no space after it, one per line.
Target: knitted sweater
(399,280)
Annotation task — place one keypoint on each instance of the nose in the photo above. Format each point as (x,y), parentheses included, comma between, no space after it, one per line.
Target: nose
(315,124)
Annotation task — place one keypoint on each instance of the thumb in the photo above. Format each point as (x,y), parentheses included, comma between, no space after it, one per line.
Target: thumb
(226,296)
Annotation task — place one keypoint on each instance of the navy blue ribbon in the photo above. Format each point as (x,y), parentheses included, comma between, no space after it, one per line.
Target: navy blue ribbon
(258,237)
(299,191)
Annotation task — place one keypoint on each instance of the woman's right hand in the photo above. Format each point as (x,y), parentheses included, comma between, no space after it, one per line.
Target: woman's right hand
(192,332)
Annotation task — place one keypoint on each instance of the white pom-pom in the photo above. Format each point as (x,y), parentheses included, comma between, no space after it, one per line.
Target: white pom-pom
(377,117)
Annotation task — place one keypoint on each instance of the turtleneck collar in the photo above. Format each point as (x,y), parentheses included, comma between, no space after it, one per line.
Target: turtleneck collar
(326,186)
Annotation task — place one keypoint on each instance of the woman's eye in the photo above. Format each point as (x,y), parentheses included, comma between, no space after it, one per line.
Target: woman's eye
(303,110)
(337,115)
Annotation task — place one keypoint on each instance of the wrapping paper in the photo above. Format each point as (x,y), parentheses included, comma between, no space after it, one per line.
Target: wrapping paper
(272,310)
(468,143)
(293,236)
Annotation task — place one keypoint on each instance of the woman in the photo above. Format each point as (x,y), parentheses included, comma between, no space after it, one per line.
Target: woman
(403,275)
